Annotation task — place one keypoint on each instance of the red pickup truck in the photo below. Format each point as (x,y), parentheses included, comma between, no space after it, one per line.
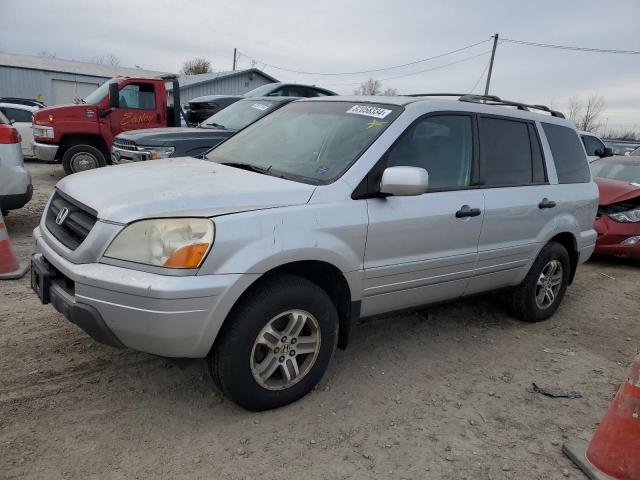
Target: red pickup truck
(81,135)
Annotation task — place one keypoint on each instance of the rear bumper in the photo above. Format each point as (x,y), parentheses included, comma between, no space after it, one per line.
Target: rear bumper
(45,151)
(18,200)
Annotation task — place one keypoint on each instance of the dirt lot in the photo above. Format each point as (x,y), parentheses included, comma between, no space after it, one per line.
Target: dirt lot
(439,393)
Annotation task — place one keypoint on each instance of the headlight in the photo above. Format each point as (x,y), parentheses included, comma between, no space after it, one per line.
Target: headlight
(158,152)
(630,216)
(170,242)
(40,131)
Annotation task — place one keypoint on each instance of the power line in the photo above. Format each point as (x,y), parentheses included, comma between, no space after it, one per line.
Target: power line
(368,71)
(475,85)
(418,72)
(568,47)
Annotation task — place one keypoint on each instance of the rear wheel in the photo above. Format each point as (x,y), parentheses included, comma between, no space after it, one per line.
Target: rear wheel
(539,295)
(80,158)
(277,344)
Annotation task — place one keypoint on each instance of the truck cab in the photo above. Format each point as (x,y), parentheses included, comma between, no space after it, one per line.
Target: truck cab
(80,136)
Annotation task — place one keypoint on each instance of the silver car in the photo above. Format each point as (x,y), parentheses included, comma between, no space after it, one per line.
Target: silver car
(262,255)
(15,181)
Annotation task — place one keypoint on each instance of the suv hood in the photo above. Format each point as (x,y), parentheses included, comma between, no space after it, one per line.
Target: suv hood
(179,187)
(168,136)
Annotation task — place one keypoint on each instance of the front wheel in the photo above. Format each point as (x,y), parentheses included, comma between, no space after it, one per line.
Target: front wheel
(276,345)
(80,158)
(539,295)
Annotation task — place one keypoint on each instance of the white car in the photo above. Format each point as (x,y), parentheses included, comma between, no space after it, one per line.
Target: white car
(21,116)
(595,148)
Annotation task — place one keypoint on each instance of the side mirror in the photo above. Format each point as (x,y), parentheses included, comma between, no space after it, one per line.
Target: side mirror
(608,152)
(404,181)
(114,96)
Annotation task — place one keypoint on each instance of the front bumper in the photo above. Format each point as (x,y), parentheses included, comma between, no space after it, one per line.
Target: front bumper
(120,156)
(611,234)
(173,316)
(45,151)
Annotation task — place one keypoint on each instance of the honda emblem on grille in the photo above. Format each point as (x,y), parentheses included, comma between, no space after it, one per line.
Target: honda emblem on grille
(62,215)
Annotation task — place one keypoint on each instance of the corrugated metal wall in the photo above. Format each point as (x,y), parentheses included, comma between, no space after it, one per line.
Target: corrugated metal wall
(226,86)
(24,83)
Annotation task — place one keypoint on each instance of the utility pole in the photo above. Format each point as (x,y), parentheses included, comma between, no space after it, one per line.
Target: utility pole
(235,57)
(493,55)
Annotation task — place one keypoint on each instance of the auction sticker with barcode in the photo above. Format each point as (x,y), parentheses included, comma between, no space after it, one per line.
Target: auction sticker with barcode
(369,111)
(260,106)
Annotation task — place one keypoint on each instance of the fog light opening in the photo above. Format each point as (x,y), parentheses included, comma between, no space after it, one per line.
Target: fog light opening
(631,241)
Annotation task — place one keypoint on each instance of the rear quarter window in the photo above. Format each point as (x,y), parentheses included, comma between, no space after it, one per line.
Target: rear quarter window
(568,154)
(3,119)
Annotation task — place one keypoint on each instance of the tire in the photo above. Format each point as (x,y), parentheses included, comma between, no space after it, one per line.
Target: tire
(80,158)
(233,362)
(522,302)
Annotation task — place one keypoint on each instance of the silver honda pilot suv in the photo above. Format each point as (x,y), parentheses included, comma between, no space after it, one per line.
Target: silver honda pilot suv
(261,255)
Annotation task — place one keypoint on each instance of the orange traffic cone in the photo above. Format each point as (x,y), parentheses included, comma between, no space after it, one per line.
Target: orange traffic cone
(614,450)
(9,266)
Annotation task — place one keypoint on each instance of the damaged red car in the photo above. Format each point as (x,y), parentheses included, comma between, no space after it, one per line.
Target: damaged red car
(618,219)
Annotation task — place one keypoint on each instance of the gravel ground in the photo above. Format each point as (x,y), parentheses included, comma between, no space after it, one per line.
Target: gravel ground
(438,393)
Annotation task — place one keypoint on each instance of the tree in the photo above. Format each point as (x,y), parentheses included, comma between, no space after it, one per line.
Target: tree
(587,115)
(373,87)
(196,66)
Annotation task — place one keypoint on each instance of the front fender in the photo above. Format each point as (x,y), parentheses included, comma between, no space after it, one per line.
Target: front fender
(259,241)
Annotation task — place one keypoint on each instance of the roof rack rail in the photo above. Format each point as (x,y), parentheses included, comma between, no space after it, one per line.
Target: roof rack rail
(493,100)
(490,100)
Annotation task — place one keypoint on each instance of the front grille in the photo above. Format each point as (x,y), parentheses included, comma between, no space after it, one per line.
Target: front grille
(76,226)
(125,144)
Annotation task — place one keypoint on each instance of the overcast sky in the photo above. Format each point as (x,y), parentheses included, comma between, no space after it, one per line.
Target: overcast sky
(346,36)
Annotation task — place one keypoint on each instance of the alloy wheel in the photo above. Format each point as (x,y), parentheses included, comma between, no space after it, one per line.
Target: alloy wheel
(549,284)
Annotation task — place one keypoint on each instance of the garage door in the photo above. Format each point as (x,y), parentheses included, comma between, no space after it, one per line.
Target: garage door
(65,91)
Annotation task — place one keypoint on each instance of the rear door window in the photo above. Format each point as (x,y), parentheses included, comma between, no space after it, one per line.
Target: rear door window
(568,155)
(509,153)
(18,115)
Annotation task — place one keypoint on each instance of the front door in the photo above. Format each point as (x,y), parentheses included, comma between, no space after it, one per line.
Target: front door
(423,249)
(138,108)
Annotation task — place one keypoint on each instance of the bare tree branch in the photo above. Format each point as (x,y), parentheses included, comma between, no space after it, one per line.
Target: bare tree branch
(373,87)
(196,66)
(587,115)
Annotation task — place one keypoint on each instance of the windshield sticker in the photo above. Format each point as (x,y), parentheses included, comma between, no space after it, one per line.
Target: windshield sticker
(375,123)
(369,111)
(260,106)
(322,170)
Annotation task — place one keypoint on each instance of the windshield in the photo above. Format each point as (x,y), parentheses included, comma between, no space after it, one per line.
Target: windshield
(311,142)
(262,91)
(626,172)
(95,97)
(240,114)
(636,152)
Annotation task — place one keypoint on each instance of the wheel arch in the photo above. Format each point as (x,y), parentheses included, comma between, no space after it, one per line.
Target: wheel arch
(568,241)
(69,140)
(321,273)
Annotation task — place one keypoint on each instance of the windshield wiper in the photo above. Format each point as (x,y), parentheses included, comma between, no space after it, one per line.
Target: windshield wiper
(217,125)
(250,167)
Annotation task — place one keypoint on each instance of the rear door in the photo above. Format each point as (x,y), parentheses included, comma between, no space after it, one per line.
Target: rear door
(22,122)
(518,200)
(421,249)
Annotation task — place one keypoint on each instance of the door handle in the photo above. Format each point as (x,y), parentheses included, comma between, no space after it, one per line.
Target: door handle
(546,203)
(467,211)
